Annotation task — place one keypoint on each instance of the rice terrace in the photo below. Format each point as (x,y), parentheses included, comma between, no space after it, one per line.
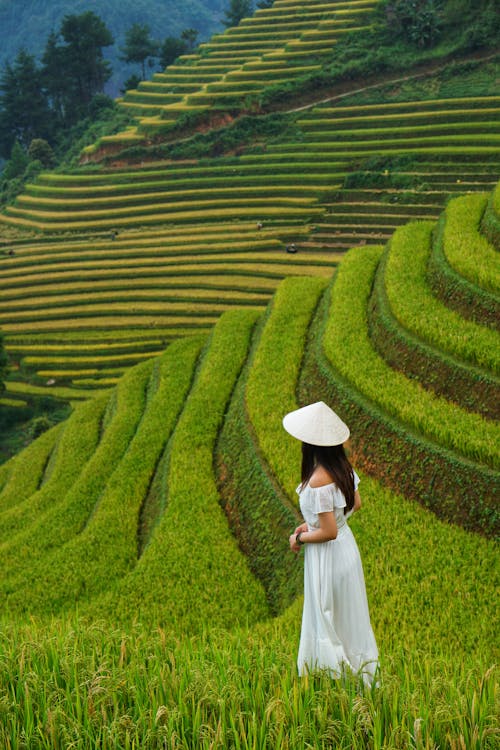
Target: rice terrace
(305,207)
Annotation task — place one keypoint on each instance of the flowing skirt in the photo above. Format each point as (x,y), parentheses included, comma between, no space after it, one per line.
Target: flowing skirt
(336,630)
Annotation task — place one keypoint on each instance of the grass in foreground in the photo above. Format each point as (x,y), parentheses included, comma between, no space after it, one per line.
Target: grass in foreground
(89,684)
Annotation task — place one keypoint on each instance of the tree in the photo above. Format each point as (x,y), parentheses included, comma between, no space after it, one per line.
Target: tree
(139,46)
(417,21)
(237,10)
(57,85)
(172,48)
(85,36)
(16,166)
(24,111)
(40,150)
(189,36)
(131,83)
(73,66)
(265,3)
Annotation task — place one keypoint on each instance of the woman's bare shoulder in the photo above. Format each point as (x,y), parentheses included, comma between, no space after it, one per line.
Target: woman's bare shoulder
(320,477)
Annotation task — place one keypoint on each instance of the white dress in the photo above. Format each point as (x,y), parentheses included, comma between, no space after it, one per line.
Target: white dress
(336,629)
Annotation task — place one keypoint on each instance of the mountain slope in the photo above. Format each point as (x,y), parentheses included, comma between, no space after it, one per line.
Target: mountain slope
(188,454)
(143,543)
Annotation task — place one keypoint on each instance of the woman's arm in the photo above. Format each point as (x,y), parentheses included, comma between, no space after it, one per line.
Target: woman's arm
(326,532)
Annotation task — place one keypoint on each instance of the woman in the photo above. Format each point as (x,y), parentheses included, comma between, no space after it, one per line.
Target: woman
(336,630)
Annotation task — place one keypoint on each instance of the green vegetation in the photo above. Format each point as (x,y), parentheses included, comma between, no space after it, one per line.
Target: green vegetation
(74,503)
(417,309)
(465,249)
(22,482)
(144,686)
(183,279)
(158,499)
(270,390)
(3,364)
(192,536)
(348,347)
(39,102)
(30,27)
(391,438)
(72,445)
(236,10)
(276,172)
(491,219)
(463,269)
(253,467)
(425,23)
(189,284)
(468,386)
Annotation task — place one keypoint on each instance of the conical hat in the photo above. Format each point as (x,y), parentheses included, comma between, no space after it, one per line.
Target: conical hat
(316,424)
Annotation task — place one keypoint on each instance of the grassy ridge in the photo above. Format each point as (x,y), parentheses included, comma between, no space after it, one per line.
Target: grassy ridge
(348,348)
(418,310)
(270,390)
(466,385)
(253,467)
(106,548)
(491,218)
(393,446)
(74,447)
(99,510)
(25,472)
(466,250)
(192,547)
(456,290)
(4,475)
(28,558)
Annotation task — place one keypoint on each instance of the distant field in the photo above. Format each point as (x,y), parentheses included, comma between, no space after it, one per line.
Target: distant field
(153,253)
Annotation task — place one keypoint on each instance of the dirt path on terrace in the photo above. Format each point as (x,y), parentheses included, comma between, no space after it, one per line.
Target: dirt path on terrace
(344,89)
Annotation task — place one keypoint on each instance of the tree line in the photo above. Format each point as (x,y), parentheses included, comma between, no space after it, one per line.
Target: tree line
(44,100)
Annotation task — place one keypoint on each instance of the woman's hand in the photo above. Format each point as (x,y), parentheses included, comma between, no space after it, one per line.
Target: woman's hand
(294,545)
(302,527)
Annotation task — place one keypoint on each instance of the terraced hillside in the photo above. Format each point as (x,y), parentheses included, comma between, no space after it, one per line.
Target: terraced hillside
(100,268)
(159,251)
(163,506)
(276,45)
(116,494)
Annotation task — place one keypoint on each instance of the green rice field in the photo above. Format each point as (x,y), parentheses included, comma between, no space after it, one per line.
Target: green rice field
(182,300)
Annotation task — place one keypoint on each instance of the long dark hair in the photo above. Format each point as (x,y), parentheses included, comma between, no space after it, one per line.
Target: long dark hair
(334,460)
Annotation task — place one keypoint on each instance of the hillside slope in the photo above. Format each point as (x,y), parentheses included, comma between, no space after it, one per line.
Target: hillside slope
(184,218)
(185,296)
(126,489)
(137,256)
(143,542)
